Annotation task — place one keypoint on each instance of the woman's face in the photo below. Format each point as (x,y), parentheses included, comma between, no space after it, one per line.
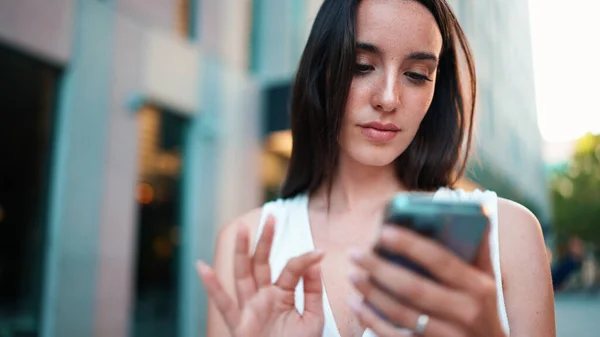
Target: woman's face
(398,46)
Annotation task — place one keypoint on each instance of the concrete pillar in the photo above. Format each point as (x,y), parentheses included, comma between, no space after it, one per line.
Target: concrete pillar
(273,41)
(224,31)
(221,162)
(78,172)
(118,225)
(199,211)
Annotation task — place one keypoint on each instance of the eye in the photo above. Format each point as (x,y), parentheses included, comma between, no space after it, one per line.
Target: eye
(362,68)
(417,78)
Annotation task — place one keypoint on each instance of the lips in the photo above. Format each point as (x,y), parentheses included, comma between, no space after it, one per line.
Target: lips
(379,132)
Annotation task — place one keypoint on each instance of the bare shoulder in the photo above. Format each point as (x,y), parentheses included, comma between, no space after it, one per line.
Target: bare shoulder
(520,236)
(515,218)
(250,219)
(525,268)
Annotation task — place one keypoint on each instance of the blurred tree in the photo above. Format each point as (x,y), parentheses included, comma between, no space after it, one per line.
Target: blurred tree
(576,193)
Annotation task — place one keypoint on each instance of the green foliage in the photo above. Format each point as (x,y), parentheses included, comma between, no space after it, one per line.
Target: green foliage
(576,192)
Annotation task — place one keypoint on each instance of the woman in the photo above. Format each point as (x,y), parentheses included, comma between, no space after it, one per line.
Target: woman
(377,108)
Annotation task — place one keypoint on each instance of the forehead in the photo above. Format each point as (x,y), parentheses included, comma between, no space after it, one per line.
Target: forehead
(398,26)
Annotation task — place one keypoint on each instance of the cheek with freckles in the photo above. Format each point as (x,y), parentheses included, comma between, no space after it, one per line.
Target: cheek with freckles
(411,111)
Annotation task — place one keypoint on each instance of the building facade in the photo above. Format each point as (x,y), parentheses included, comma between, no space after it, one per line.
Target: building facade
(150,124)
(149,116)
(509,143)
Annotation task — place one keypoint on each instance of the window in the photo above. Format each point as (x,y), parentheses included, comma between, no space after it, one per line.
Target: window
(277,107)
(27,96)
(159,198)
(186,21)
(278,137)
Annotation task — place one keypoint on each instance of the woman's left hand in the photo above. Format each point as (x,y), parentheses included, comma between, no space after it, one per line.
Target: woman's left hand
(462,303)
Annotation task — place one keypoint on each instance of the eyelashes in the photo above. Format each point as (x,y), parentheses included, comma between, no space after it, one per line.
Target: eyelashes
(417,78)
(361,69)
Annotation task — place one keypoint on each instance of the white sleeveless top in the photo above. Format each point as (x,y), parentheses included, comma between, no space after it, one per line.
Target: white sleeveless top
(293,237)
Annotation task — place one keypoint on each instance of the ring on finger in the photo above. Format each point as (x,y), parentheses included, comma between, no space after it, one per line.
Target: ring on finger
(421,324)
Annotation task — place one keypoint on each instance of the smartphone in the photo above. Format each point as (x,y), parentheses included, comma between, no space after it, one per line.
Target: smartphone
(459,225)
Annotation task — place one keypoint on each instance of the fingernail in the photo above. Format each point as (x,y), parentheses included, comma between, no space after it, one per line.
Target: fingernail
(356,255)
(388,233)
(354,278)
(201,266)
(354,305)
(318,252)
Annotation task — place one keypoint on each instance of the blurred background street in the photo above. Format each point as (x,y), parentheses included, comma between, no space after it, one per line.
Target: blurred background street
(577,314)
(132,130)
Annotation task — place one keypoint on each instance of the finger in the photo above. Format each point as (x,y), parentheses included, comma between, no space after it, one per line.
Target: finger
(400,314)
(217,294)
(442,264)
(313,291)
(484,257)
(260,261)
(369,320)
(421,293)
(245,285)
(297,267)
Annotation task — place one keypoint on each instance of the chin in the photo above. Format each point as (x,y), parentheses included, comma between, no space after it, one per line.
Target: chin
(374,156)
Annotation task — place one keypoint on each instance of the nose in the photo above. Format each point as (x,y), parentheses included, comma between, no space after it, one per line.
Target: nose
(387,95)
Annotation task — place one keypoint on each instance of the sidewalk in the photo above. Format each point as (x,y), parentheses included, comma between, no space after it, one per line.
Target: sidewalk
(578,314)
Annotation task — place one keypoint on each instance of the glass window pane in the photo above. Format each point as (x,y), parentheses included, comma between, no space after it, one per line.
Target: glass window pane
(27,92)
(158,196)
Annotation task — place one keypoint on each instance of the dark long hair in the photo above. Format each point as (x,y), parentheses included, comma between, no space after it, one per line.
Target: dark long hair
(434,159)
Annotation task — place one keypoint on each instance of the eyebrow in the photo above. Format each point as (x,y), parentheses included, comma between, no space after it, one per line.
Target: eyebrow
(368,47)
(416,56)
(422,56)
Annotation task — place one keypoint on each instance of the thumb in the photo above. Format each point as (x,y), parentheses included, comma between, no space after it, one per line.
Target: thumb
(313,291)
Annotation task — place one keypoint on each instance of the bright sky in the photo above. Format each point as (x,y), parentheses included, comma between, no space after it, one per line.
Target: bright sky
(566,58)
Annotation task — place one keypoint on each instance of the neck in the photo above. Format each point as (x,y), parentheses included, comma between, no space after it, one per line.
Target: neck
(358,186)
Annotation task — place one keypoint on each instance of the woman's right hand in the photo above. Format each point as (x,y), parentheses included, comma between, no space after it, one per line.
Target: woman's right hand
(263,308)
